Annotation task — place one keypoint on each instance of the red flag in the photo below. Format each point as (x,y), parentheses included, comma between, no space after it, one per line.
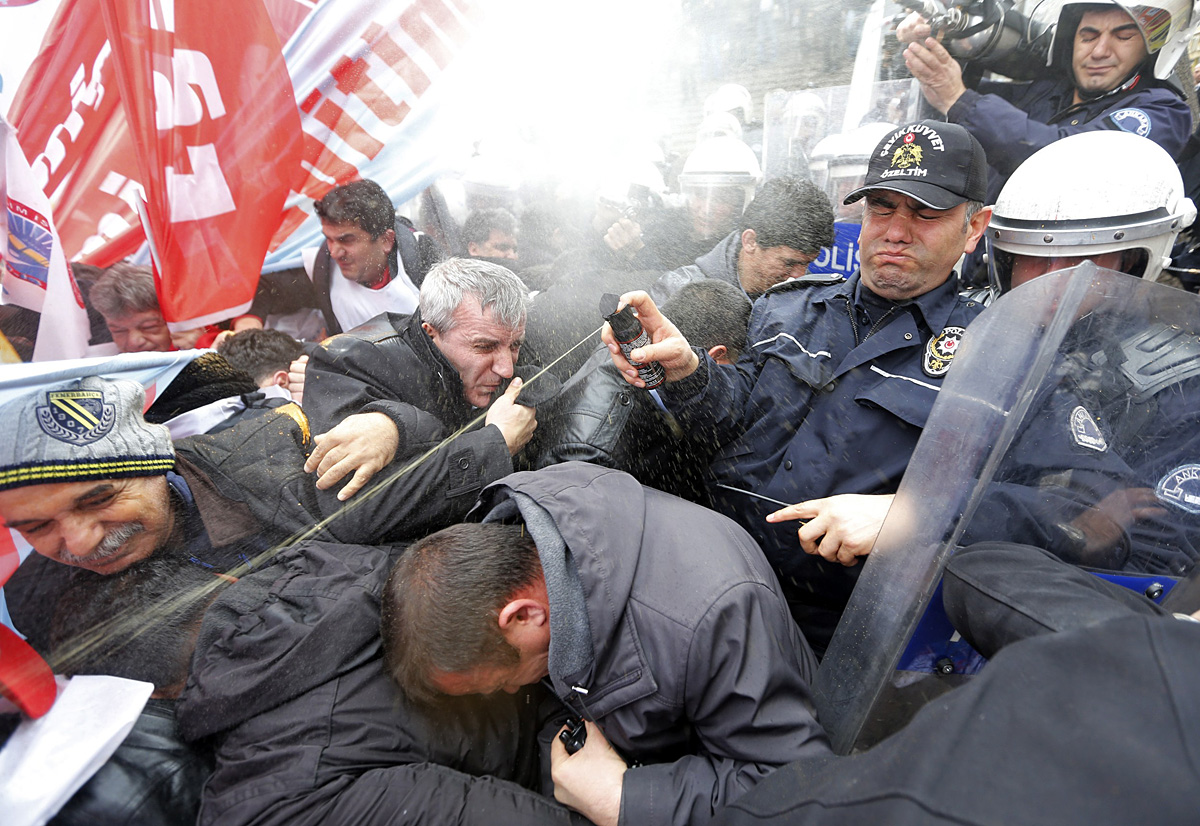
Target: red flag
(217,138)
(74,132)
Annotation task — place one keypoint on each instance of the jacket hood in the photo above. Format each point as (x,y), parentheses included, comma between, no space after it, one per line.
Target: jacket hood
(721,262)
(593,509)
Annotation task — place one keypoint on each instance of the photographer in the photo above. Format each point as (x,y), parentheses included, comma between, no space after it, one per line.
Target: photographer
(1104,72)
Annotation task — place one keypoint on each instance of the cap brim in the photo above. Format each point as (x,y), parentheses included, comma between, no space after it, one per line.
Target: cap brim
(930,195)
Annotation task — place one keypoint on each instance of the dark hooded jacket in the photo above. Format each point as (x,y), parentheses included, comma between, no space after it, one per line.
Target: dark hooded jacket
(669,631)
(288,682)
(721,263)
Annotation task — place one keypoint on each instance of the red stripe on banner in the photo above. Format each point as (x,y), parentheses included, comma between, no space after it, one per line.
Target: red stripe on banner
(382,44)
(352,78)
(414,25)
(28,214)
(292,219)
(348,129)
(446,20)
(325,162)
(311,101)
(151,395)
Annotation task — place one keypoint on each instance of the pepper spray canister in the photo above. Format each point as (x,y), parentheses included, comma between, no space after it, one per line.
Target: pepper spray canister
(630,335)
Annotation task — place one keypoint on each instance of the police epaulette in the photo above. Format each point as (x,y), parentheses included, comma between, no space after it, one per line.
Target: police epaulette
(813,279)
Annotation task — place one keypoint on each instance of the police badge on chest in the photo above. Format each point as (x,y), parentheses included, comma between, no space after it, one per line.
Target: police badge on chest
(940,351)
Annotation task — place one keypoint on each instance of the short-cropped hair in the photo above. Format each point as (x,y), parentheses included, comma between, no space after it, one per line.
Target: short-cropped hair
(711,313)
(790,212)
(442,603)
(260,353)
(362,203)
(124,289)
(497,288)
(480,223)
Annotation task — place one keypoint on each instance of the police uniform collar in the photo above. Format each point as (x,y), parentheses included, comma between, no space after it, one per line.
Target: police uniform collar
(933,307)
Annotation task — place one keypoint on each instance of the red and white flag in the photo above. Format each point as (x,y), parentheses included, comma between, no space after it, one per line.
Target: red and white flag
(216,134)
(35,274)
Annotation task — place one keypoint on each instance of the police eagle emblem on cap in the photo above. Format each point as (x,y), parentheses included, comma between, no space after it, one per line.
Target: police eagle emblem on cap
(940,351)
(77,417)
(908,153)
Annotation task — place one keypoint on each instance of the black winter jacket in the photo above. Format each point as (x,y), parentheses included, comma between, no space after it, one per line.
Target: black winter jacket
(288,680)
(389,365)
(695,667)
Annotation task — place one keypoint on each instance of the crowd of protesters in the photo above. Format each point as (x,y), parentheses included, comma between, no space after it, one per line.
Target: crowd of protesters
(420,539)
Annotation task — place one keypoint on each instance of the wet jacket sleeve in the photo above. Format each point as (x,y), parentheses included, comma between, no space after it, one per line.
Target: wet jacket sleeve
(750,714)
(429,483)
(413,793)
(1009,134)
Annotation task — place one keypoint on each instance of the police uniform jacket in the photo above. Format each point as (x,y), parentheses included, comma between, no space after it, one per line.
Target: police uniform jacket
(390,366)
(829,397)
(1014,120)
(679,645)
(1094,726)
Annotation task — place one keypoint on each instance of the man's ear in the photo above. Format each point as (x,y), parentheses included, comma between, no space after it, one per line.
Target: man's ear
(749,239)
(719,352)
(523,611)
(472,248)
(976,228)
(429,329)
(389,237)
(280,378)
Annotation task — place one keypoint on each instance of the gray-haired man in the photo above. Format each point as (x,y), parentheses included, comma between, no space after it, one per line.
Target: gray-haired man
(398,385)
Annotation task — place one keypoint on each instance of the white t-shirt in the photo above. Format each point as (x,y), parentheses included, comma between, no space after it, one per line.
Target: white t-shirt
(353,303)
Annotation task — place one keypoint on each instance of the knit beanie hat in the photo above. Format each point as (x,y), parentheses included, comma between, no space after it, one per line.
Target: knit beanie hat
(78,431)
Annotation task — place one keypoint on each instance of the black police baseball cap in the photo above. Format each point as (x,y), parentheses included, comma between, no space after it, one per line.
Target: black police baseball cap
(939,164)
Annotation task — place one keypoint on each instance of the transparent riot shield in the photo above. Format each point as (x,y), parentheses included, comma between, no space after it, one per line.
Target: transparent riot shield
(1071,422)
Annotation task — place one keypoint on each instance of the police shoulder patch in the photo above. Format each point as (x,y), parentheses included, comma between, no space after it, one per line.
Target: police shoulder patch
(77,417)
(1181,487)
(940,351)
(1132,120)
(1085,431)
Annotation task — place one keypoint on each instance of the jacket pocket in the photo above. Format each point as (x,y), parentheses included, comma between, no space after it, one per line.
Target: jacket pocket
(906,397)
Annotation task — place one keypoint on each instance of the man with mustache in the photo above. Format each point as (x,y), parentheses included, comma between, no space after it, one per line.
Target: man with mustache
(90,484)
(831,394)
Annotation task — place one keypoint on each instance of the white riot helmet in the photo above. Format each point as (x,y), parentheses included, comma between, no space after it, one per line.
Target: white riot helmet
(717,125)
(1165,25)
(1086,196)
(718,181)
(731,98)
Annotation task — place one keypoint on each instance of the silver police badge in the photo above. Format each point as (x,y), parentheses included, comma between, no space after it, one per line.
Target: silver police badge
(1086,432)
(1181,487)
(940,351)
(77,417)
